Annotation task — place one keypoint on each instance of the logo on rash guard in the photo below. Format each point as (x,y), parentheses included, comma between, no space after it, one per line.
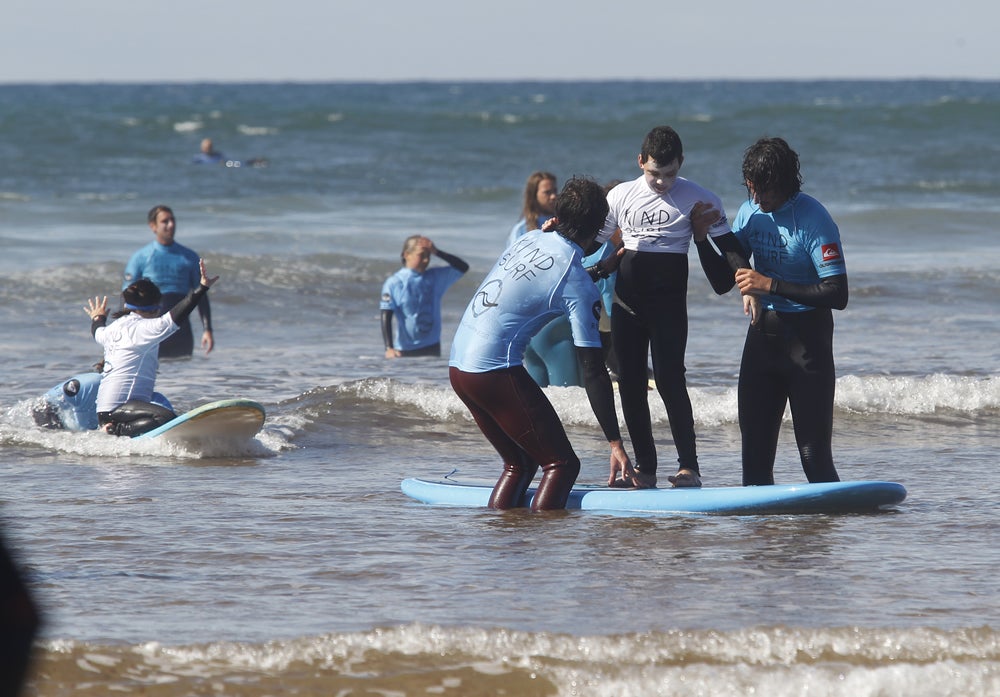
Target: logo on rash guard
(830,252)
(487,297)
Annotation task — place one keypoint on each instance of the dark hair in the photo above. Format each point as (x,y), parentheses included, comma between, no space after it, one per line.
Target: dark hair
(156,210)
(142,293)
(529,209)
(663,145)
(581,209)
(770,164)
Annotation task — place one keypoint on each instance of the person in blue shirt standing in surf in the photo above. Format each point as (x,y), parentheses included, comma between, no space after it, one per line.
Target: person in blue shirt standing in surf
(799,278)
(174,269)
(413,295)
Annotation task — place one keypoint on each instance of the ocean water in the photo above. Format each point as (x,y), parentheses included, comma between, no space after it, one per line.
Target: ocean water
(297,567)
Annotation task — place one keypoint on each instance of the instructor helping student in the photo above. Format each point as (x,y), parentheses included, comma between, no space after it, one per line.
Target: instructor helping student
(537,278)
(800,278)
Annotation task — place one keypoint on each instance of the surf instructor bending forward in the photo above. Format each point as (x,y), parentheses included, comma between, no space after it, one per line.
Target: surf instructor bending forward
(537,278)
(131,354)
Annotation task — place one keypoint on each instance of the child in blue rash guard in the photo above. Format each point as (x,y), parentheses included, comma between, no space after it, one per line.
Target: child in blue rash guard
(537,278)
(413,295)
(799,278)
(174,269)
(131,356)
(539,204)
(549,357)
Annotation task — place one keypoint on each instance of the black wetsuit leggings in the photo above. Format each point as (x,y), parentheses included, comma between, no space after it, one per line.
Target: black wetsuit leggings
(515,416)
(788,358)
(650,318)
(134,418)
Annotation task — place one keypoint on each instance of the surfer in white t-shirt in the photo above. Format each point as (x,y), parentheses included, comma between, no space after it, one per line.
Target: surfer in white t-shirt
(131,346)
(659,213)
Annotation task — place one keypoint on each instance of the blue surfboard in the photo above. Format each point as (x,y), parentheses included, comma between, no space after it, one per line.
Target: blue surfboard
(228,420)
(833,497)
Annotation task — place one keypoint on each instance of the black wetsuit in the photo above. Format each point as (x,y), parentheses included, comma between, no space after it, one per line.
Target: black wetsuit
(650,316)
(787,359)
(650,319)
(181,343)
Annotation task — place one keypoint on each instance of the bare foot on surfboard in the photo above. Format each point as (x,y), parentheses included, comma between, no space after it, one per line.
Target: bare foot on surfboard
(685,478)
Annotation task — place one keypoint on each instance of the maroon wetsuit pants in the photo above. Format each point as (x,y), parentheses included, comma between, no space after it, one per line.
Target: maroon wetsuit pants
(515,416)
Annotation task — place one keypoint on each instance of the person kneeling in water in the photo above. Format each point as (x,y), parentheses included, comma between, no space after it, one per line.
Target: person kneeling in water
(131,354)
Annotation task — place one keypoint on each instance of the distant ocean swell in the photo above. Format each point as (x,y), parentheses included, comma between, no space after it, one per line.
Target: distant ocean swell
(421,660)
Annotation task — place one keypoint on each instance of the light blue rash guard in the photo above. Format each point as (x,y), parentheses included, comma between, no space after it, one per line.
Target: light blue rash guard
(75,401)
(173,268)
(520,229)
(798,243)
(536,279)
(415,301)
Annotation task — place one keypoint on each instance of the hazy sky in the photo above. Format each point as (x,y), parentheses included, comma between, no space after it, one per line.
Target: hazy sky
(320,40)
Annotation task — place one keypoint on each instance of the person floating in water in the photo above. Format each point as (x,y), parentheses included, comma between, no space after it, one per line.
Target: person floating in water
(208,155)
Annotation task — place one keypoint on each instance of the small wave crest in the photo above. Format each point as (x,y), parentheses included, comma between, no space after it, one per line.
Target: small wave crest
(918,395)
(422,659)
(895,395)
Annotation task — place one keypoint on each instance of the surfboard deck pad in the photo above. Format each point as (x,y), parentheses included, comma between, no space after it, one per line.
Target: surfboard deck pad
(833,497)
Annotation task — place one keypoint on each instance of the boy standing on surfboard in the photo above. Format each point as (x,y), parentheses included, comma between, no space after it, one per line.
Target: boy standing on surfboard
(658,214)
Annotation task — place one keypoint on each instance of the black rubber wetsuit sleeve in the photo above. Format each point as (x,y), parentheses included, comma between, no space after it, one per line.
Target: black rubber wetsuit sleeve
(453,261)
(99,321)
(205,312)
(180,311)
(599,390)
(387,328)
(720,268)
(830,292)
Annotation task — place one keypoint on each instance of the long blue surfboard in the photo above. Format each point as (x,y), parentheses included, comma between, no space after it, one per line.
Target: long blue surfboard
(228,420)
(833,497)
